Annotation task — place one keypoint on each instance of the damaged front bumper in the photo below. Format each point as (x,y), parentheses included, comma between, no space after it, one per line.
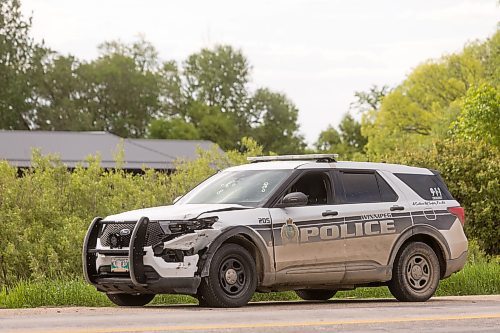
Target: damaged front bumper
(169,267)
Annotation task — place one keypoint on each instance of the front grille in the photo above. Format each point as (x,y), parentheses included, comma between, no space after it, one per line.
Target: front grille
(154,233)
(110,229)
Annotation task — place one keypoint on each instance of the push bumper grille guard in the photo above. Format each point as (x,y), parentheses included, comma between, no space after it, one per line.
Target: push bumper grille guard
(134,253)
(137,282)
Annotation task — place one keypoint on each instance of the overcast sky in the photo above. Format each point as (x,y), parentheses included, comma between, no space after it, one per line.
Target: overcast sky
(317,52)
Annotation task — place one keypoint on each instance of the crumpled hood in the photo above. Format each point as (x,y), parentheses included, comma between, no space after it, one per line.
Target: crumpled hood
(172,212)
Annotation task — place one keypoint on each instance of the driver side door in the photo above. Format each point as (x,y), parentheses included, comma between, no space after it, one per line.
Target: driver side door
(307,243)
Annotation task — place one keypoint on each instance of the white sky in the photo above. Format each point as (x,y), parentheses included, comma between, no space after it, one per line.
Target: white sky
(317,52)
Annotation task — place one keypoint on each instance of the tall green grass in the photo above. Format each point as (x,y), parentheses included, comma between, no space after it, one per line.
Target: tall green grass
(474,279)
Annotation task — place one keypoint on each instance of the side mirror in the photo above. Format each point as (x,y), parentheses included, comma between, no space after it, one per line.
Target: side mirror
(294,199)
(177,199)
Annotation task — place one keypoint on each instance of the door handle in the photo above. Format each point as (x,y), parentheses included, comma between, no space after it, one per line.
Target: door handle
(330,213)
(393,208)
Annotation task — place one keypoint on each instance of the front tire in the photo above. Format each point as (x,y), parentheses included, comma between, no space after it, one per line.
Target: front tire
(416,273)
(130,299)
(315,294)
(231,281)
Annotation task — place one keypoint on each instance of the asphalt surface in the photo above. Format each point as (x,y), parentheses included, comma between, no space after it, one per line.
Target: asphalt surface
(440,314)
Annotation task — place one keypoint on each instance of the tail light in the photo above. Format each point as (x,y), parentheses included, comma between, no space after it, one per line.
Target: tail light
(459,212)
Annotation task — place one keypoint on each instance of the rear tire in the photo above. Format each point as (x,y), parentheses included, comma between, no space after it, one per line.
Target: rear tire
(315,294)
(130,299)
(415,274)
(232,279)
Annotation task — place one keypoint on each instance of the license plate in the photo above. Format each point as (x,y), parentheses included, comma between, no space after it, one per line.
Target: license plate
(119,265)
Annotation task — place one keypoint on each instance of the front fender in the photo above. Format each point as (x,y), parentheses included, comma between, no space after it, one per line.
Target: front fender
(228,233)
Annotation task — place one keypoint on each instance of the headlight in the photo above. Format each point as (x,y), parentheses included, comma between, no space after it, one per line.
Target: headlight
(185,226)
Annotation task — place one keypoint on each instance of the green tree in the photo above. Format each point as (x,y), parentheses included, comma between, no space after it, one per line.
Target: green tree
(329,140)
(220,128)
(174,128)
(274,122)
(210,92)
(17,64)
(143,52)
(172,99)
(217,77)
(213,124)
(480,117)
(122,91)
(369,100)
(422,108)
(58,95)
(350,133)
(348,141)
(492,59)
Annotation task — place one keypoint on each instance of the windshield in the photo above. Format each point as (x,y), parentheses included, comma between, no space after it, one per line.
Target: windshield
(246,187)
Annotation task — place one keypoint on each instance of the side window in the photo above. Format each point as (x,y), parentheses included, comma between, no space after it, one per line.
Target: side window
(315,185)
(386,191)
(366,187)
(360,187)
(428,187)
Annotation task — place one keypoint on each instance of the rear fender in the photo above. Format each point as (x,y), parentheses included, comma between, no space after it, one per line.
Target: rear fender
(421,230)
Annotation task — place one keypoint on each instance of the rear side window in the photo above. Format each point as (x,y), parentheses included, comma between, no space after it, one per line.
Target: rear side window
(386,192)
(364,187)
(428,187)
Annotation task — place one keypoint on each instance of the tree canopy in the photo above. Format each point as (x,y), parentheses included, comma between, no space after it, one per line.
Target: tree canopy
(480,116)
(347,141)
(18,60)
(128,90)
(421,109)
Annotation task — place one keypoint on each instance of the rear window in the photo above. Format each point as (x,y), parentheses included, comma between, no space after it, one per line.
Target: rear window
(364,187)
(428,187)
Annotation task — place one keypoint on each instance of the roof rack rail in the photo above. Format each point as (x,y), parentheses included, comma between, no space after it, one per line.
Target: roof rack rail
(309,157)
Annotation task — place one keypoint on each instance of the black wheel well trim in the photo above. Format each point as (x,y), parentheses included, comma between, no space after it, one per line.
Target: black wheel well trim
(428,233)
(241,235)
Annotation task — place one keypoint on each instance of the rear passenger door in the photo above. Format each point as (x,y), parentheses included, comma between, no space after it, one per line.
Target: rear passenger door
(374,214)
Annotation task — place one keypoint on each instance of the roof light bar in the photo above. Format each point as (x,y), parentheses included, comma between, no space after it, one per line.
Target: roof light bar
(308,157)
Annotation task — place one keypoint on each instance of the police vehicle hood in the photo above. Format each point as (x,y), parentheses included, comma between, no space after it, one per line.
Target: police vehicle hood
(175,212)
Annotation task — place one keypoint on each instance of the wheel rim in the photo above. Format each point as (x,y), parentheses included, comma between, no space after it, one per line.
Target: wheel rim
(418,272)
(232,276)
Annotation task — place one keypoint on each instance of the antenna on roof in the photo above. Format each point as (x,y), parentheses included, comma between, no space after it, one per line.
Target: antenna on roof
(309,157)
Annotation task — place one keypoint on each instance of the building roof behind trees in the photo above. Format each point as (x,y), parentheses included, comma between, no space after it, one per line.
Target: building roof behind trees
(74,148)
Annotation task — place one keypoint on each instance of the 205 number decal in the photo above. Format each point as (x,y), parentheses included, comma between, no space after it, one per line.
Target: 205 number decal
(264,220)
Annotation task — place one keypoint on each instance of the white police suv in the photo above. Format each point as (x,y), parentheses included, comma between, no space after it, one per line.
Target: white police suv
(303,222)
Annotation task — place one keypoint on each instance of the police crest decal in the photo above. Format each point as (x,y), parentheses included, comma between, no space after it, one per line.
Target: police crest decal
(289,233)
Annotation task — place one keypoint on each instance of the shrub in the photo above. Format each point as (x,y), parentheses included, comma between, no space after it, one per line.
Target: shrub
(46,211)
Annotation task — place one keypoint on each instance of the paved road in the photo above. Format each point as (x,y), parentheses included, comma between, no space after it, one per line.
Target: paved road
(440,314)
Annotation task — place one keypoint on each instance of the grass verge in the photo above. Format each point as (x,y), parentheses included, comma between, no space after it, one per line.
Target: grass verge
(474,279)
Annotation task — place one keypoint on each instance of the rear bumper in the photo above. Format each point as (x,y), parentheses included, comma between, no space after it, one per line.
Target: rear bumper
(147,274)
(454,265)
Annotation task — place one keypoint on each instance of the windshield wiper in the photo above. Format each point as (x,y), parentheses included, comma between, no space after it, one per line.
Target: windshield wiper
(223,210)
